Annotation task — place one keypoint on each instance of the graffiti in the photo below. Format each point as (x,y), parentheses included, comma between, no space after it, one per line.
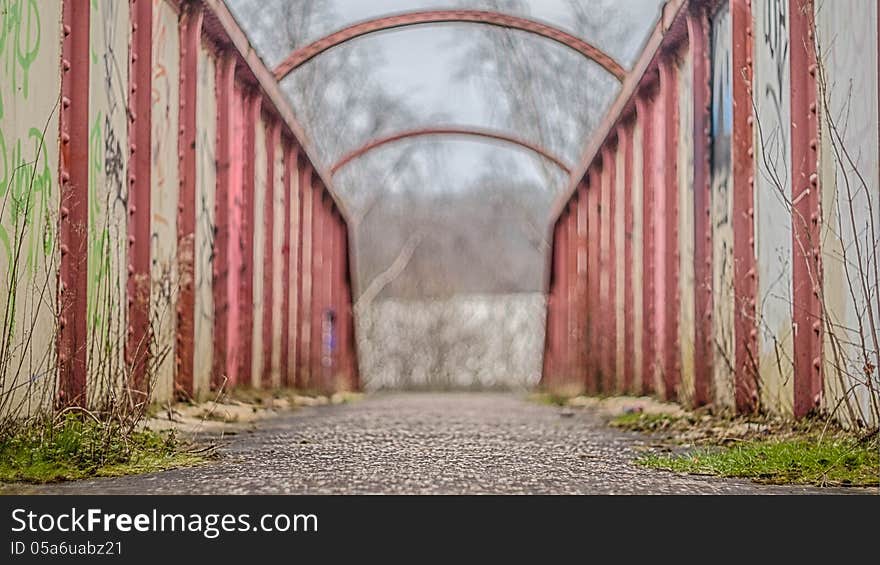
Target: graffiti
(114,164)
(99,233)
(775,36)
(26,191)
(20,36)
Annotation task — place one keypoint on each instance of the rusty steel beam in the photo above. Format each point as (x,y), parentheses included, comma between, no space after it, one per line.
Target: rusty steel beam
(287,252)
(138,338)
(745,329)
(74,213)
(190,24)
(645,113)
(273,139)
(448,130)
(317,291)
(304,270)
(806,216)
(672,293)
(225,91)
(581,355)
(608,266)
(698,34)
(586,49)
(573,333)
(251,113)
(625,143)
(594,313)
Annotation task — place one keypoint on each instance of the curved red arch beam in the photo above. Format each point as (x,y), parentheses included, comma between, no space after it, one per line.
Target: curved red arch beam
(469,132)
(308,52)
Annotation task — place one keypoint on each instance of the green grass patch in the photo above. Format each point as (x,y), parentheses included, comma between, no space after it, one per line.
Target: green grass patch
(836,461)
(77,448)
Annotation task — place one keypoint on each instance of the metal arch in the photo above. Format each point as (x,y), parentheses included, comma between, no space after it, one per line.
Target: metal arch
(308,52)
(471,132)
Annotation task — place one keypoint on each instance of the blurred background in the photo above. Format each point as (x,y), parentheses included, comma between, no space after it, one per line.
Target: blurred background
(450,233)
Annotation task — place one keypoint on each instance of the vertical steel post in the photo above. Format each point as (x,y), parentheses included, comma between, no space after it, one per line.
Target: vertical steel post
(645,112)
(581,304)
(288,257)
(267,269)
(625,144)
(137,347)
(698,34)
(744,260)
(806,216)
(316,301)
(74,214)
(671,358)
(190,24)
(222,293)
(594,272)
(609,159)
(251,114)
(305,259)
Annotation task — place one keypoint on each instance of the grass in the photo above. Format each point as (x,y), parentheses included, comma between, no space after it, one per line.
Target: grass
(77,448)
(836,461)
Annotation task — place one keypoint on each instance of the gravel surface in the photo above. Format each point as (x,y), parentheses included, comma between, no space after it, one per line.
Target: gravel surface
(428,443)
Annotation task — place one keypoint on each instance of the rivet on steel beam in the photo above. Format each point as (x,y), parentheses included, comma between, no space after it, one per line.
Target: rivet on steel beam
(751,152)
(131,240)
(65,64)
(65,102)
(812,107)
(66,30)
(134,57)
(65,138)
(65,177)
(817,326)
(814,179)
(62,321)
(132,209)
(817,363)
(65,211)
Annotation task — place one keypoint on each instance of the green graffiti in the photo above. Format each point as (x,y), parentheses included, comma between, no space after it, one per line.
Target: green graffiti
(99,231)
(20,36)
(26,192)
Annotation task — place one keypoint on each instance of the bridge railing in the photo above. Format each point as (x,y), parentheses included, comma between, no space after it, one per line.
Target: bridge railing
(164,226)
(716,245)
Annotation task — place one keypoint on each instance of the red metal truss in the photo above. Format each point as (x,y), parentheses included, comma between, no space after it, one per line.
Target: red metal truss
(317,298)
(139,187)
(288,257)
(594,343)
(608,264)
(806,217)
(645,113)
(251,113)
(74,215)
(581,354)
(190,24)
(625,144)
(698,33)
(273,139)
(222,293)
(669,261)
(573,347)
(308,52)
(303,267)
(744,259)
(448,130)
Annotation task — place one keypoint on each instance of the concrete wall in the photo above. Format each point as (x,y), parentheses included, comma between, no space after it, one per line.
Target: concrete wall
(30,83)
(637,190)
(206,183)
(259,271)
(685,157)
(772,204)
(847,43)
(165,192)
(722,209)
(108,193)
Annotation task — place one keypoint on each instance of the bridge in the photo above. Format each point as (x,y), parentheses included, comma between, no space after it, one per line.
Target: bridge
(167,224)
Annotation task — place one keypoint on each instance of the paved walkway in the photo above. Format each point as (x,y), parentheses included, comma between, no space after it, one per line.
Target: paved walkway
(430,443)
